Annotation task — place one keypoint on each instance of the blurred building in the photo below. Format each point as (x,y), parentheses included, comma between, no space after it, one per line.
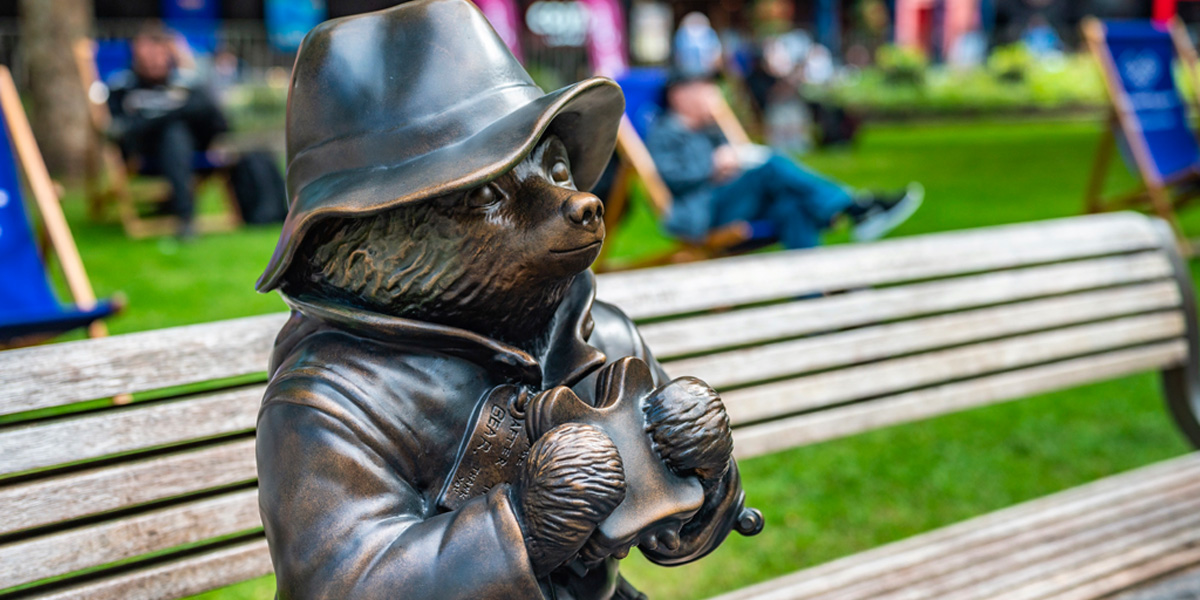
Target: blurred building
(262,33)
(564,40)
(938,26)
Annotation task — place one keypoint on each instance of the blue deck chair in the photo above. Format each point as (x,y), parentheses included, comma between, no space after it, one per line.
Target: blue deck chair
(112,57)
(1148,120)
(29,310)
(643,89)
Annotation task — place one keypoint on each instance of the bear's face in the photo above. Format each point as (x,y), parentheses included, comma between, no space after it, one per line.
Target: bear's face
(496,259)
(532,220)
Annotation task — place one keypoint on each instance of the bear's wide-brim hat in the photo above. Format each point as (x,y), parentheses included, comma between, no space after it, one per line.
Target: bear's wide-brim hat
(417,101)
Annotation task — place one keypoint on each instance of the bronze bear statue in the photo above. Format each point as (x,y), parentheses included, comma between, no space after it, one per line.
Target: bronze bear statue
(450,413)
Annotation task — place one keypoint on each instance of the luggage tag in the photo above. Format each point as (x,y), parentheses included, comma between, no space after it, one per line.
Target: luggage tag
(493,450)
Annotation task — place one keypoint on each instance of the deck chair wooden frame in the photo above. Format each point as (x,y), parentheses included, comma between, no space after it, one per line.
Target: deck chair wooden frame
(109,176)
(1161,195)
(633,159)
(37,177)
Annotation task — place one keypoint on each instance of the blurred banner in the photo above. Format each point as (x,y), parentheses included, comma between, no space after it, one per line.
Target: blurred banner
(650,27)
(606,37)
(829,25)
(288,21)
(503,16)
(196,20)
(1164,9)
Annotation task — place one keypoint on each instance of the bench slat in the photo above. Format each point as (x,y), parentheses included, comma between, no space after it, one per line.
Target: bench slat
(965,562)
(66,497)
(1020,555)
(129,429)
(756,325)
(1030,556)
(60,374)
(693,287)
(890,376)
(176,579)
(95,545)
(822,580)
(772,361)
(1044,579)
(802,430)
(1125,579)
(827,580)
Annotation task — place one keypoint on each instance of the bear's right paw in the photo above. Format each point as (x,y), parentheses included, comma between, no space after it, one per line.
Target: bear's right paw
(571,481)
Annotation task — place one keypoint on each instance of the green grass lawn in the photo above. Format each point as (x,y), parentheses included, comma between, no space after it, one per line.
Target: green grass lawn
(830,499)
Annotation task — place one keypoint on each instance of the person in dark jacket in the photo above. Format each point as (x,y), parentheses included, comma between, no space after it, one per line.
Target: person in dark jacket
(434,256)
(162,118)
(715,183)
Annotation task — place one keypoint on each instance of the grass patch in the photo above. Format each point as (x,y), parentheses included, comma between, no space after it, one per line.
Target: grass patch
(830,499)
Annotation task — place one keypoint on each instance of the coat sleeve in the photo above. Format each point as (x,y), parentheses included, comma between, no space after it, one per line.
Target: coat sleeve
(342,523)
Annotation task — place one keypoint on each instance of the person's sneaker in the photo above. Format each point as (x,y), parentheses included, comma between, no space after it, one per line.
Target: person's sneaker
(882,214)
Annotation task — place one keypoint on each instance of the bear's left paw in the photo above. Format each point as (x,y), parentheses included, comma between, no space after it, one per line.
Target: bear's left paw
(688,424)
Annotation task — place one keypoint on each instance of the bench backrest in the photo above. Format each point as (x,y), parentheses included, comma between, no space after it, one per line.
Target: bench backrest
(156,499)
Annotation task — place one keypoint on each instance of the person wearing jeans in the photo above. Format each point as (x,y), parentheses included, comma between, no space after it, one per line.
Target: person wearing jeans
(715,184)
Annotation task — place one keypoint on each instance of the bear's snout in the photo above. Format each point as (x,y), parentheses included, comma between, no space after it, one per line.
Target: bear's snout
(583,210)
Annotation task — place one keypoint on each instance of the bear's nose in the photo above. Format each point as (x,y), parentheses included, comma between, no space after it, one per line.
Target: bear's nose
(584,210)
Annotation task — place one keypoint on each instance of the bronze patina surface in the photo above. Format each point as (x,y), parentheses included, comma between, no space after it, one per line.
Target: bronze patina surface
(450,413)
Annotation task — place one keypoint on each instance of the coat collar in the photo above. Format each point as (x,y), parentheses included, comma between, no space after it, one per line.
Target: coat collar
(567,358)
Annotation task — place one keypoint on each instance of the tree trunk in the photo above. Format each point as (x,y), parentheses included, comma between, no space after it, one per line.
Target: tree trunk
(57,99)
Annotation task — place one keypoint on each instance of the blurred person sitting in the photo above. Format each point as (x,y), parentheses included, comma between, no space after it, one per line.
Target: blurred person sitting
(162,117)
(715,183)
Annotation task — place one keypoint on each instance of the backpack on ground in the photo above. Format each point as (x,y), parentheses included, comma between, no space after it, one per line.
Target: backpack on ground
(259,188)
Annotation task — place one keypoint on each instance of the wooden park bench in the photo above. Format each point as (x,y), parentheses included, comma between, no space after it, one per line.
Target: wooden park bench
(156,498)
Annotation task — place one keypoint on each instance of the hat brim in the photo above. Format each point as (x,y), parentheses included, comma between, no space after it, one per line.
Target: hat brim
(585,116)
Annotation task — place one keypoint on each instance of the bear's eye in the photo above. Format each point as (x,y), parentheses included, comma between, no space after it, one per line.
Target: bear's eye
(484,195)
(560,172)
